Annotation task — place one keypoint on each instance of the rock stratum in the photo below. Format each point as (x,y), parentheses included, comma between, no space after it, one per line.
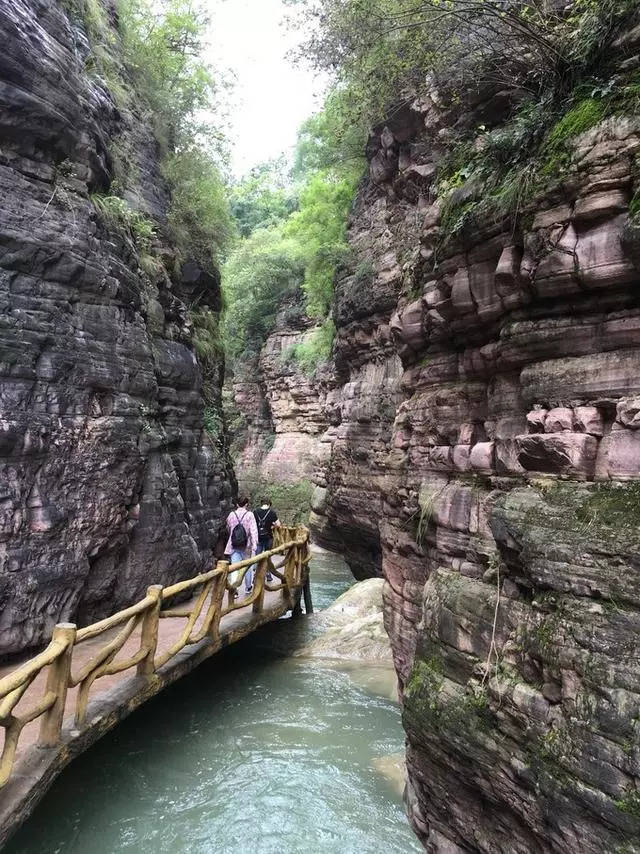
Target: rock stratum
(109,482)
(485,456)
(283,411)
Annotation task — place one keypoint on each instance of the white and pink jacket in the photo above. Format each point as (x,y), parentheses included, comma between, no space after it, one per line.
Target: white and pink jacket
(244,517)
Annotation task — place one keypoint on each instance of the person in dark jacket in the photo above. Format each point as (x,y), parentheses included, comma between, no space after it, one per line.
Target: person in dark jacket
(266,520)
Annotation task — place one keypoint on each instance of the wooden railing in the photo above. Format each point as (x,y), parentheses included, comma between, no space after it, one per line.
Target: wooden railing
(203,614)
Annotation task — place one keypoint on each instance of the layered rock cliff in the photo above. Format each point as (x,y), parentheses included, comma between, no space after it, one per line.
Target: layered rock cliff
(281,411)
(485,458)
(109,482)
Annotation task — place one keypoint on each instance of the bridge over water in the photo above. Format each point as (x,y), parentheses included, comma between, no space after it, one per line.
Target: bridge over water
(58,703)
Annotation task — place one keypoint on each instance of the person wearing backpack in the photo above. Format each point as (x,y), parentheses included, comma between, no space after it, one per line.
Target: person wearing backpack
(243,538)
(266,521)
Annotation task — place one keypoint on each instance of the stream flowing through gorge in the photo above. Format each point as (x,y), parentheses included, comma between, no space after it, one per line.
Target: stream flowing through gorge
(256,751)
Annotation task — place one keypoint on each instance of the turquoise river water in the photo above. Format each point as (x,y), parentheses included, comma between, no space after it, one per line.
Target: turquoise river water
(256,751)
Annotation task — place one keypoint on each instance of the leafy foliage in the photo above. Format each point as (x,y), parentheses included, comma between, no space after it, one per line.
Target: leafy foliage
(263,198)
(199,214)
(294,236)
(315,348)
(292,501)
(116,212)
(163,45)
(262,272)
(383,50)
(319,228)
(332,139)
(206,340)
(158,55)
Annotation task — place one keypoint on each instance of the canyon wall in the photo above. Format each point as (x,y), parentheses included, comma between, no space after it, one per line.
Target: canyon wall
(277,411)
(485,456)
(109,481)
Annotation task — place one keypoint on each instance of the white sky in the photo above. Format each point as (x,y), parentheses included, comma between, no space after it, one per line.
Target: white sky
(271,96)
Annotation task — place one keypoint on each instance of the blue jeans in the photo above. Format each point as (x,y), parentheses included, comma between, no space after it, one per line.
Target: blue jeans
(236,557)
(264,546)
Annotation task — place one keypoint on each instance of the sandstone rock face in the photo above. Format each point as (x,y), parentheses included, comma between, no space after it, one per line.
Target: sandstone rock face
(109,482)
(284,410)
(354,627)
(485,457)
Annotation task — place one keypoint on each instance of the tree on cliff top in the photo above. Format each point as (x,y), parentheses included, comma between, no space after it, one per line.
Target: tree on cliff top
(382,50)
(156,67)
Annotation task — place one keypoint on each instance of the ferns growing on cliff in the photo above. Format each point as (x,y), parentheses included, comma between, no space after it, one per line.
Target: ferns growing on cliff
(116,212)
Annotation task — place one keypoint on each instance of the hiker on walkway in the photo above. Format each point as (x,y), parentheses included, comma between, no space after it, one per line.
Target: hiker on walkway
(266,521)
(243,539)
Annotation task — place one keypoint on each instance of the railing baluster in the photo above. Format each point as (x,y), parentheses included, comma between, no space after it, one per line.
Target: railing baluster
(259,582)
(149,634)
(57,682)
(292,544)
(218,598)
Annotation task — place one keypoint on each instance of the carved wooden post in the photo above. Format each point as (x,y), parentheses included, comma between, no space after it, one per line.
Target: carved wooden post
(149,635)
(290,574)
(306,592)
(218,598)
(58,682)
(259,581)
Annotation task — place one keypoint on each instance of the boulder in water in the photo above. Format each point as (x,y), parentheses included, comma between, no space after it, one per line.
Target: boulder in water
(354,627)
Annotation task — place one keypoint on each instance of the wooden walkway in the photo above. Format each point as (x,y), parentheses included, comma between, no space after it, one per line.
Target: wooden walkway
(114,695)
(168,633)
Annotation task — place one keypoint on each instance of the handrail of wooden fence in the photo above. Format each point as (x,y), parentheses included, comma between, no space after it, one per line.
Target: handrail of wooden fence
(208,587)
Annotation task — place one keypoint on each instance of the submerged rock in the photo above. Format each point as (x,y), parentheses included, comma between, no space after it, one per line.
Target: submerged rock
(393,768)
(353,627)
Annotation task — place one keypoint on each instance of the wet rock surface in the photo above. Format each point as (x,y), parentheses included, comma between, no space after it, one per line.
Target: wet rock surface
(109,482)
(484,458)
(352,628)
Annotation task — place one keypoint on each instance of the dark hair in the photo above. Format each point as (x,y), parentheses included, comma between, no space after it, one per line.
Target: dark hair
(242,501)
(267,501)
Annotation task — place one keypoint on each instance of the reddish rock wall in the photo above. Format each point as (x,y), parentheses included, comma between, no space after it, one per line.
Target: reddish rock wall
(485,440)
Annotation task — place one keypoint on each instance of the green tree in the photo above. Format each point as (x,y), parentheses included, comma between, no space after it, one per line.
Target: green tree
(262,198)
(385,51)
(199,213)
(263,271)
(163,45)
(319,229)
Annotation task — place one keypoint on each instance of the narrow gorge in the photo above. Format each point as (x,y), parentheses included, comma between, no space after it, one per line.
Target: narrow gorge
(431,355)
(482,452)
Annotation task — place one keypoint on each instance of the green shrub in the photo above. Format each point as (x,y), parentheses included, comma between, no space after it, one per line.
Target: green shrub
(206,339)
(579,118)
(630,803)
(292,501)
(315,348)
(199,214)
(115,212)
(264,271)
(163,49)
(319,227)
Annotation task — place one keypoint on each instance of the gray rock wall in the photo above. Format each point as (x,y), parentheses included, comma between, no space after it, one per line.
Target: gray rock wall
(108,482)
